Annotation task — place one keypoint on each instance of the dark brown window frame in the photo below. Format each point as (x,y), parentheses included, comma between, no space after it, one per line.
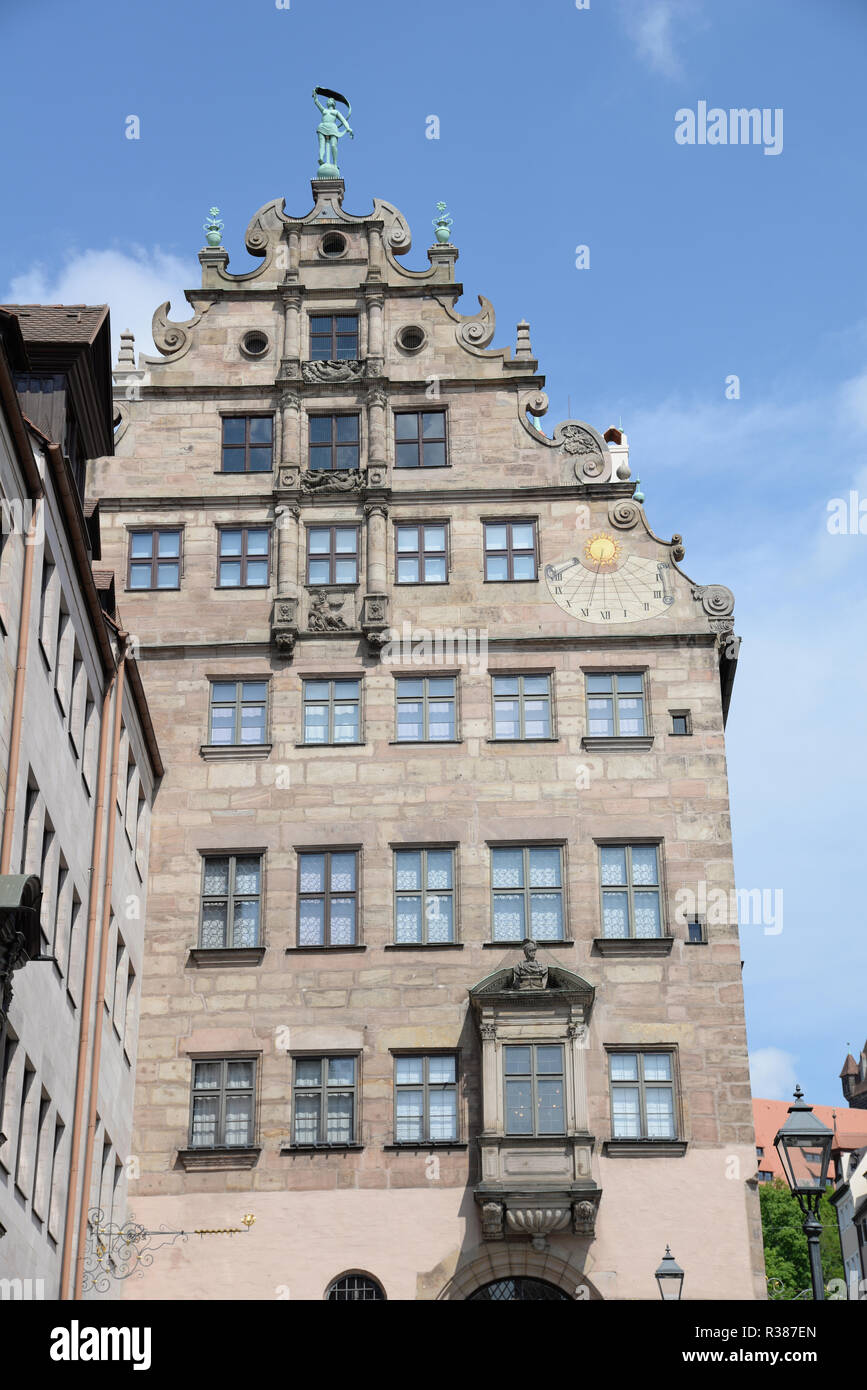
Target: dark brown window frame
(333,335)
(322,1089)
(526,846)
(510,551)
(326,895)
(332,554)
(231,897)
(243,527)
(522,736)
(247,445)
(424,892)
(155,558)
(614,695)
(642,1049)
(425,677)
(629,886)
(331,701)
(224,1059)
(534,1074)
(239,682)
(420,553)
(420,441)
(426,1086)
(334,444)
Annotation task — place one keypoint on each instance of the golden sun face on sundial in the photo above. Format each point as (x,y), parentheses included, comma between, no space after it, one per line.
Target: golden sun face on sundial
(602,551)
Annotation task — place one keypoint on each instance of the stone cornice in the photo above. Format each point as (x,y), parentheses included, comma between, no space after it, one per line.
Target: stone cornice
(394,496)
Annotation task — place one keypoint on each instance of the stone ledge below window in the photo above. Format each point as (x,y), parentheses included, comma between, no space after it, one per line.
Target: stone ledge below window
(309,950)
(225,955)
(415,1145)
(217,1159)
(608,743)
(320,1148)
(644,1148)
(516,945)
(210,751)
(423,946)
(633,945)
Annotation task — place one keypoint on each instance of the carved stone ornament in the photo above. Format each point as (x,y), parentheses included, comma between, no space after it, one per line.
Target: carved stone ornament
(289,400)
(289,477)
(488,1032)
(716,600)
(492,1221)
(174,339)
(374,612)
(624,515)
(584,1218)
(284,625)
(678,550)
(576,440)
(376,475)
(332,371)
(324,612)
(375,366)
(530,973)
(477,330)
(537,1223)
(377,396)
(327,480)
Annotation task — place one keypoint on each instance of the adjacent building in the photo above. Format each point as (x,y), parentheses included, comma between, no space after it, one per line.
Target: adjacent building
(443,724)
(78,772)
(853,1079)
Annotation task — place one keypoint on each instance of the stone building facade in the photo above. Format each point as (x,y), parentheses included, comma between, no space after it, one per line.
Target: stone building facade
(427,685)
(79,769)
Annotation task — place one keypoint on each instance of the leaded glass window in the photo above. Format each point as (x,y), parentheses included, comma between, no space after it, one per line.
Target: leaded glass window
(424,909)
(527,888)
(630,891)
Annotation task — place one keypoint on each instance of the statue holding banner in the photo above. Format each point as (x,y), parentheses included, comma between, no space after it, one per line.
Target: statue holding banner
(329,130)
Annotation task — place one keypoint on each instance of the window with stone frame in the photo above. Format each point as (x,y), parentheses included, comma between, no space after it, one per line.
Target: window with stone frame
(324,1101)
(615,704)
(244,557)
(327,898)
(223,1105)
(522,706)
(333,337)
(426,709)
(155,558)
(642,1094)
(354,1288)
(238,713)
(248,443)
(332,555)
(631,891)
(527,892)
(424,895)
(421,554)
(420,439)
(510,551)
(231,901)
(332,711)
(425,1098)
(533,1078)
(333,443)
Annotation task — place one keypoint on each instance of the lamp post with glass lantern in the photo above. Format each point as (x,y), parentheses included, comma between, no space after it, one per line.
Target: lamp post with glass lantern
(804,1147)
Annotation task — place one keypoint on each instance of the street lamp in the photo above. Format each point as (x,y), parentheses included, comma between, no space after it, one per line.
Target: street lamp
(803,1144)
(669,1277)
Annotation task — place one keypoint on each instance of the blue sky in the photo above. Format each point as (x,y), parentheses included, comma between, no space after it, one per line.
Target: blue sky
(556,129)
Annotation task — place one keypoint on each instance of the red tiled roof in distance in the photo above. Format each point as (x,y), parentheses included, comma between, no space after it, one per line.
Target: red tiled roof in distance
(849,1126)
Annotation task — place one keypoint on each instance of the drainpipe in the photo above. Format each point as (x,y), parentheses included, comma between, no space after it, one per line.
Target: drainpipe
(84,1032)
(99,1022)
(20,682)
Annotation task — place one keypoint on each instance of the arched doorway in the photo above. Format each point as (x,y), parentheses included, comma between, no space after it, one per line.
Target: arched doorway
(519,1290)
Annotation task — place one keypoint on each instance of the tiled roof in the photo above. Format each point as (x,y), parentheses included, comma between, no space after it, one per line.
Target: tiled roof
(59,323)
(849,1126)
(103,579)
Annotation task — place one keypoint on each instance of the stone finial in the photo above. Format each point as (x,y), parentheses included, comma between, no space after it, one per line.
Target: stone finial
(638,495)
(126,355)
(213,228)
(522,345)
(443,225)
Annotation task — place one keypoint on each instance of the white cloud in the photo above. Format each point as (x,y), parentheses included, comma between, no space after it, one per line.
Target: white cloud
(772,1073)
(651,24)
(132,282)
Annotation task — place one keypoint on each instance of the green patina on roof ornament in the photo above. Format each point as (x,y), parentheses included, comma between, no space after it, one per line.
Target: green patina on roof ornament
(638,495)
(329,132)
(443,224)
(213,228)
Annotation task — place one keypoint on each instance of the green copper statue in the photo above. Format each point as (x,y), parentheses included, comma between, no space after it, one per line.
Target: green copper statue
(329,131)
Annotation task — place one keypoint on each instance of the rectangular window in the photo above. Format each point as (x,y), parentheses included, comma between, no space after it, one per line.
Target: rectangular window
(522,707)
(154,559)
(47,612)
(247,443)
(231,900)
(510,550)
(325,1100)
(527,887)
(244,557)
(332,555)
(48,866)
(425,1099)
(333,442)
(421,556)
(424,894)
(615,704)
(534,1088)
(333,337)
(695,933)
(238,712)
(332,711)
(642,1095)
(426,709)
(327,898)
(223,1103)
(681,722)
(420,439)
(630,890)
